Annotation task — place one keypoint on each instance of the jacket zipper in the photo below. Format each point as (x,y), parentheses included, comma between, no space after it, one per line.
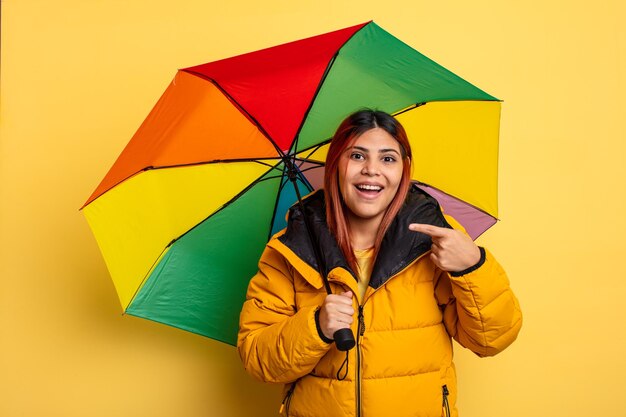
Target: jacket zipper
(360,331)
(284,406)
(445,412)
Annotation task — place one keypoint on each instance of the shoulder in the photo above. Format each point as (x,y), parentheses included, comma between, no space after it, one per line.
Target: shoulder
(280,256)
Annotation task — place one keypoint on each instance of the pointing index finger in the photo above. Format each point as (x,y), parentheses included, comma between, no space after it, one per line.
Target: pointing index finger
(428,229)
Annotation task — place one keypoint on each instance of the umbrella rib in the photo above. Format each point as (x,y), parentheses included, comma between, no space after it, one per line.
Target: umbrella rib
(416,105)
(420,183)
(411,107)
(217,161)
(241,109)
(146,276)
(280,189)
(303,179)
(224,206)
(283,183)
(310,168)
(317,90)
(319,87)
(300,173)
(313,149)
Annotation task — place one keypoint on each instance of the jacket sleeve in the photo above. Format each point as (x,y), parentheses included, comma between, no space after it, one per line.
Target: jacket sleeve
(277,341)
(479,308)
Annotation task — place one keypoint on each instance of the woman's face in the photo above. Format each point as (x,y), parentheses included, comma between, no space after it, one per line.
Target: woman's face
(370,171)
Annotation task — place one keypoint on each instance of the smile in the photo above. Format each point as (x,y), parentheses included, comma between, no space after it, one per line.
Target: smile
(369,187)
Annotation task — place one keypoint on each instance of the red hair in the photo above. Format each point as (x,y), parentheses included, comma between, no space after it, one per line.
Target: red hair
(348,131)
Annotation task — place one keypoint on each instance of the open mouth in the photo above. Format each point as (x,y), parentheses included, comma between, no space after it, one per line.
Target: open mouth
(369,188)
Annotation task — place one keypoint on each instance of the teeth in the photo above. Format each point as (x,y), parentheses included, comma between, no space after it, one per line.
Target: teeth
(369,187)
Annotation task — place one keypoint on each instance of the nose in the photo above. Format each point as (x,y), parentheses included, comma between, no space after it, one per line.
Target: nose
(370,168)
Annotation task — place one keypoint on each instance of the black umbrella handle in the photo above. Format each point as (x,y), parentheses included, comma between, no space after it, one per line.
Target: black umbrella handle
(344,339)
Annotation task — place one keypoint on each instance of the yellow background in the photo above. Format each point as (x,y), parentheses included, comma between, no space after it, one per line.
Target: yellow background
(79,76)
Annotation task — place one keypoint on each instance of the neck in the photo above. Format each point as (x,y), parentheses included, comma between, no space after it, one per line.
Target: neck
(363,231)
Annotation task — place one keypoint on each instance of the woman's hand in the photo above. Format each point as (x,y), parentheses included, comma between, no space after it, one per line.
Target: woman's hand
(336,313)
(451,250)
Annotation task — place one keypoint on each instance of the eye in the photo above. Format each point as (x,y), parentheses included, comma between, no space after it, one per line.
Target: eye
(389,158)
(357,156)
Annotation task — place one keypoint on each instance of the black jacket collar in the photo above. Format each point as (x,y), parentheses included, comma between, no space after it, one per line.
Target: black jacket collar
(399,248)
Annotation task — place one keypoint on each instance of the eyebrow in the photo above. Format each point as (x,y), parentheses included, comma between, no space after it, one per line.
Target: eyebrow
(379,151)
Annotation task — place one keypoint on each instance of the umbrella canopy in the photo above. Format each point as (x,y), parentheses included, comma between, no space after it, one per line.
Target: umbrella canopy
(184,213)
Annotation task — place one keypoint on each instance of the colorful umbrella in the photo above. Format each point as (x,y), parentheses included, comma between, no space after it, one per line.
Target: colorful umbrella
(184,213)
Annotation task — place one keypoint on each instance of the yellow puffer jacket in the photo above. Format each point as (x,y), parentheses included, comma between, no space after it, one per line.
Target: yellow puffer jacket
(402,364)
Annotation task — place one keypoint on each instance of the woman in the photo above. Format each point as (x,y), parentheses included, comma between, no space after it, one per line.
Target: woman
(404,276)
